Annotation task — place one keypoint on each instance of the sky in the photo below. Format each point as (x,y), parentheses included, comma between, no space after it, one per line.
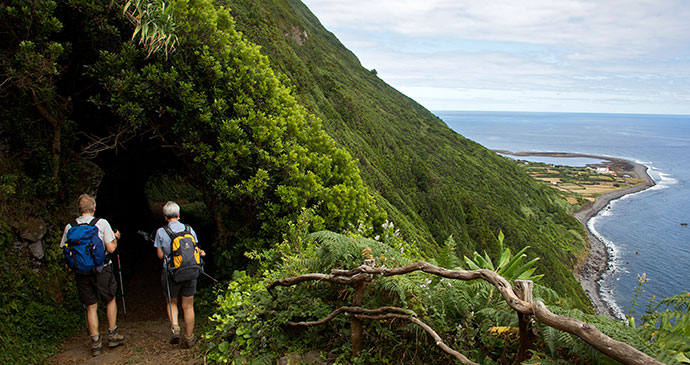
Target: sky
(599,56)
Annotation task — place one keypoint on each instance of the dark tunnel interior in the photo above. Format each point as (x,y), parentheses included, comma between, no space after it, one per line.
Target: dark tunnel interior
(122,200)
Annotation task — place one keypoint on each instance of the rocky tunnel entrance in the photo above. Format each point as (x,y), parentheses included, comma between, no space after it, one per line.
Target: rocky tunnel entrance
(138,181)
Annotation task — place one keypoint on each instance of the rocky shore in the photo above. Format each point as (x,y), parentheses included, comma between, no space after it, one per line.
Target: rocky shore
(597,261)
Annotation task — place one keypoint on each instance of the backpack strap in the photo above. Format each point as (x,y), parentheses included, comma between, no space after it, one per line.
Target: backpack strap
(93,222)
(169,232)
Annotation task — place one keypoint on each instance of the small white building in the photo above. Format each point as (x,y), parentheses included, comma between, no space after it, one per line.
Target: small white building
(604,171)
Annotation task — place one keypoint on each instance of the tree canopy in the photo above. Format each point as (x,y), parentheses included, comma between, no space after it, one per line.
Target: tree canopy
(258,156)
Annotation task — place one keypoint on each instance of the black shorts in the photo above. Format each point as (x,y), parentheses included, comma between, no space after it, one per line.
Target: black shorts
(186,289)
(90,285)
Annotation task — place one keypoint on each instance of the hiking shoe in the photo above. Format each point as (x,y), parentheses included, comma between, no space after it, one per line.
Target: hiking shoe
(175,335)
(96,346)
(188,342)
(114,338)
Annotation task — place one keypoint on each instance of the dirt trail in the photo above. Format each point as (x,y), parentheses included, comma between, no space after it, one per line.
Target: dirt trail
(146,329)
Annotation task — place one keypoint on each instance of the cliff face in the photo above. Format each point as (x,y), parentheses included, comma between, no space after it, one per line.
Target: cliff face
(432,181)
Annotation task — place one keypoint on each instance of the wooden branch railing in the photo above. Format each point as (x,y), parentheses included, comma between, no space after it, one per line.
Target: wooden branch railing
(523,305)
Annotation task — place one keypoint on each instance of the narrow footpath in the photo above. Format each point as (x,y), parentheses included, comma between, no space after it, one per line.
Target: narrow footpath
(146,329)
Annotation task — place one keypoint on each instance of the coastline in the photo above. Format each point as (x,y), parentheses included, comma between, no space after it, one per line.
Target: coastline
(597,261)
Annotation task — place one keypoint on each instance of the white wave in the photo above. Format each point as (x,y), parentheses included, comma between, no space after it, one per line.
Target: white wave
(613,265)
(666,179)
(662,180)
(606,211)
(606,290)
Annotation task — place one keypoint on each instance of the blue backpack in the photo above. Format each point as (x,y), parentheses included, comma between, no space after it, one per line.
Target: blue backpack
(84,250)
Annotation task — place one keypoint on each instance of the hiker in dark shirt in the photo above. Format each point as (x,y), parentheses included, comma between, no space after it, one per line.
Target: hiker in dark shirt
(90,285)
(171,288)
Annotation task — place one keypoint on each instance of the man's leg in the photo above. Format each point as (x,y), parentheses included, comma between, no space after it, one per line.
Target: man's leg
(92,318)
(107,287)
(171,289)
(114,337)
(188,308)
(87,288)
(111,313)
(172,310)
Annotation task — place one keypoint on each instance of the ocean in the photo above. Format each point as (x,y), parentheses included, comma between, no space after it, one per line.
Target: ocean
(643,230)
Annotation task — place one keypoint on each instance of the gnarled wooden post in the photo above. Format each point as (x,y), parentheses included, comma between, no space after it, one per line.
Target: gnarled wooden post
(523,290)
(356,323)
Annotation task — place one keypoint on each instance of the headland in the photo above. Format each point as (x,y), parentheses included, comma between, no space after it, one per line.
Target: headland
(597,260)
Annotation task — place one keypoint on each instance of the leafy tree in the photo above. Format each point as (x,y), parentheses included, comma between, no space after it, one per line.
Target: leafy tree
(28,91)
(73,83)
(257,155)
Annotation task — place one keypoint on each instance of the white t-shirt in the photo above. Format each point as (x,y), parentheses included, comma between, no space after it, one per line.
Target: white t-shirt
(105,232)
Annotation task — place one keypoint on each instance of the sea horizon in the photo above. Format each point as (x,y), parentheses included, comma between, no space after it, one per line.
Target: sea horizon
(642,231)
(443,111)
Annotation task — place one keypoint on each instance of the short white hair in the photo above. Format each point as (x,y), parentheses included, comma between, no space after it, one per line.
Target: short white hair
(86,204)
(171,210)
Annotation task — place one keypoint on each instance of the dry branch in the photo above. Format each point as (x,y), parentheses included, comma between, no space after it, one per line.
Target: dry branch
(437,339)
(353,310)
(319,277)
(492,277)
(97,144)
(617,350)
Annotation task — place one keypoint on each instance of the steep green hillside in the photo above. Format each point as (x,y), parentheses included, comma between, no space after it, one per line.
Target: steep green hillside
(432,181)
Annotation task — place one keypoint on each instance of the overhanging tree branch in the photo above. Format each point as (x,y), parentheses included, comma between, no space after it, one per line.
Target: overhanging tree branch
(352,310)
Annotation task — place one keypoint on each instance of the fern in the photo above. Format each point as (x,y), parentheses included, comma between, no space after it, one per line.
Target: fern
(447,256)
(546,294)
(670,330)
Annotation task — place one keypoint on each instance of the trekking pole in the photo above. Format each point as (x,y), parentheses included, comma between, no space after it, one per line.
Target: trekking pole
(167,284)
(122,288)
(208,276)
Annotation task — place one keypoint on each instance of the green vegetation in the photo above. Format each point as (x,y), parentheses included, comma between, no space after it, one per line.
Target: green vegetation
(432,182)
(251,323)
(508,265)
(266,152)
(74,85)
(255,154)
(669,329)
(38,304)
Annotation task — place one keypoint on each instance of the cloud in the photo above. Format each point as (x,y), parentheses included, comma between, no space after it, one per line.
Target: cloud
(600,47)
(632,27)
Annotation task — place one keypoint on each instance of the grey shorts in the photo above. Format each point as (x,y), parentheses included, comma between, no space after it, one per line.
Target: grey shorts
(186,289)
(91,285)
